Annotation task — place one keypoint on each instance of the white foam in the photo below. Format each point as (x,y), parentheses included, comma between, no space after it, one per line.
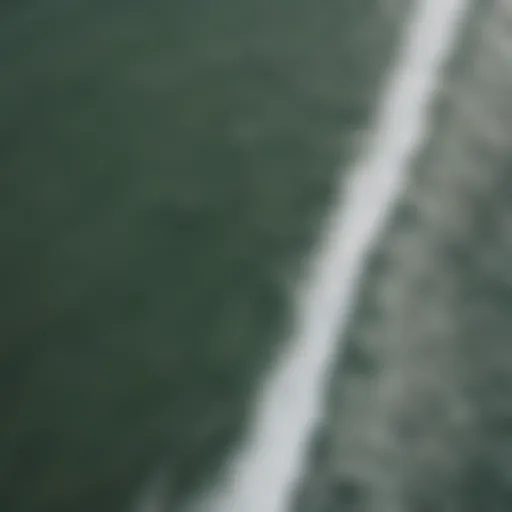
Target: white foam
(263,473)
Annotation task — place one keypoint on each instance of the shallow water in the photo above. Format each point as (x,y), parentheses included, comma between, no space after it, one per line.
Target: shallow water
(417,415)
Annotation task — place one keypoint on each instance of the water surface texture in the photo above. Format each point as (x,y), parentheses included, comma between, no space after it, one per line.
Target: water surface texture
(418,413)
(164,169)
(264,472)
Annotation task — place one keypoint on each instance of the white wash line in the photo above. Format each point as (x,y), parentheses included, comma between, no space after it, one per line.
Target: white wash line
(262,474)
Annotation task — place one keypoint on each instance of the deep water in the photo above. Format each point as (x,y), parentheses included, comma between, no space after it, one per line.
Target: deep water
(164,166)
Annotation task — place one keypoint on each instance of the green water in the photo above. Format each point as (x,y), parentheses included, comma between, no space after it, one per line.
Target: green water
(163,169)
(418,414)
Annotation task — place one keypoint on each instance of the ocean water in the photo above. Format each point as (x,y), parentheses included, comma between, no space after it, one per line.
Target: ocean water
(417,417)
(167,169)
(164,170)
(267,468)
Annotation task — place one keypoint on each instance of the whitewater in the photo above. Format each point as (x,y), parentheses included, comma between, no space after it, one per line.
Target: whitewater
(263,472)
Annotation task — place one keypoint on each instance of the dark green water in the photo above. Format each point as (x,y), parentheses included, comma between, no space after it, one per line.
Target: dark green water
(163,169)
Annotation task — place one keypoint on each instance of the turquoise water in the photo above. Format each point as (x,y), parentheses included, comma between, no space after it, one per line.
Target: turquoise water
(164,167)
